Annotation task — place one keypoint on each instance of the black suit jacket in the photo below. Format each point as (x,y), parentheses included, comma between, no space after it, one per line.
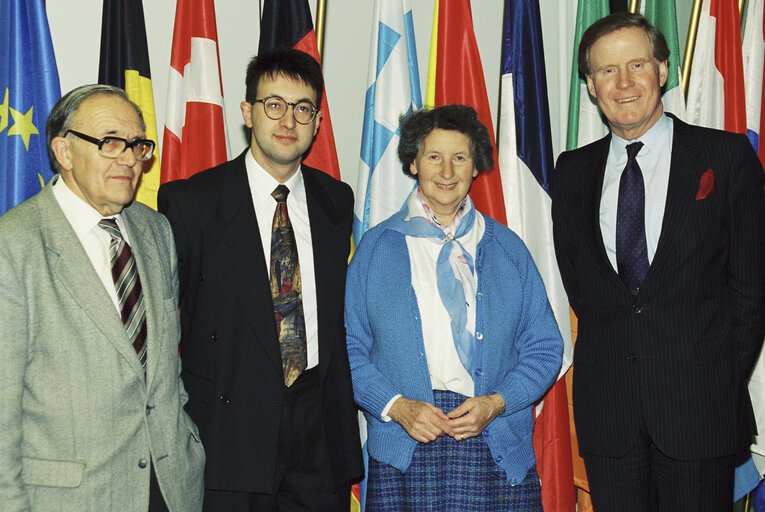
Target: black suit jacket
(678,355)
(230,351)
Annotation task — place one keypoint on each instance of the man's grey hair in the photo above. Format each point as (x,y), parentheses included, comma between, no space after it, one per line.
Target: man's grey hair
(62,114)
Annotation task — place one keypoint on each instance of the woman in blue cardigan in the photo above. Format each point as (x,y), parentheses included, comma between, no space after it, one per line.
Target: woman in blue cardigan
(451,338)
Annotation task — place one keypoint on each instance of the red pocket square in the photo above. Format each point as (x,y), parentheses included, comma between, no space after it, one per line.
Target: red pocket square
(706,185)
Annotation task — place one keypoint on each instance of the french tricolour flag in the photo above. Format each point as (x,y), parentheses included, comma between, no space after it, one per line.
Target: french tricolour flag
(526,165)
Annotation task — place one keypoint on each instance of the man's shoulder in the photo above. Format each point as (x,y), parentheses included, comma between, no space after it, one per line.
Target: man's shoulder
(204,181)
(315,176)
(26,216)
(587,151)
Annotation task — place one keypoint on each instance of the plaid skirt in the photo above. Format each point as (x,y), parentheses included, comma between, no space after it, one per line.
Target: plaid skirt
(450,476)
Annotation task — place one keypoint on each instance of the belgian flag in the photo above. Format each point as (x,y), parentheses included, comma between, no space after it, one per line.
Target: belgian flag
(124,63)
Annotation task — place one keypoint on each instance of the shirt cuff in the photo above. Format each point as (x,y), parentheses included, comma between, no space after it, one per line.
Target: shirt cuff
(384,413)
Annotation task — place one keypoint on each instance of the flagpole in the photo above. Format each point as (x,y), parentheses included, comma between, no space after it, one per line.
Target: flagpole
(633,6)
(690,44)
(320,10)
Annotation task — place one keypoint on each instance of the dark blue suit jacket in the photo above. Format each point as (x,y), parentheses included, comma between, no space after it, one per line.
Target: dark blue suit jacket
(232,366)
(678,355)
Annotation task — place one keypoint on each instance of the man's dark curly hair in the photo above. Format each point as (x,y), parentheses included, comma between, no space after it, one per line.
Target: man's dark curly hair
(461,118)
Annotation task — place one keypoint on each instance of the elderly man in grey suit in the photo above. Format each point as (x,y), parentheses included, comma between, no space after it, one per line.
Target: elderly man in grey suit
(91,411)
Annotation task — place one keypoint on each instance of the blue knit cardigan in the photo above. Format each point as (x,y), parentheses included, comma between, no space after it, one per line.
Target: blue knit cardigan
(519,344)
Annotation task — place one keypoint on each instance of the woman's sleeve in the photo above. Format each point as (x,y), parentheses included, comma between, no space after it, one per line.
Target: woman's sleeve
(371,389)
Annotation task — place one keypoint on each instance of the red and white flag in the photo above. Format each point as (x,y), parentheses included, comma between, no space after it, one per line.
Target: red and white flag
(195,135)
(716,96)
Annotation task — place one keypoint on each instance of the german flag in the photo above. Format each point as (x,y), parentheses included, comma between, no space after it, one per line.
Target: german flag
(124,63)
(288,24)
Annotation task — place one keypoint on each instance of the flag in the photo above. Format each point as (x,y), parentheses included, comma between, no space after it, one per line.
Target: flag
(29,88)
(393,90)
(195,135)
(124,63)
(526,163)
(585,124)
(455,75)
(754,66)
(663,15)
(288,24)
(753,50)
(716,97)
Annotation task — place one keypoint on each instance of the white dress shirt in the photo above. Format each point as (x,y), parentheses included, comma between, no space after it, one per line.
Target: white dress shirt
(84,221)
(654,161)
(261,186)
(446,370)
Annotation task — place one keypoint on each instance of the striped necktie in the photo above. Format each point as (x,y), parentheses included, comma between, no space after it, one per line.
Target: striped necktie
(128,286)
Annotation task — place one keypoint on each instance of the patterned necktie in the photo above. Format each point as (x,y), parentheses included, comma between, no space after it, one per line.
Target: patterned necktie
(631,249)
(286,291)
(128,286)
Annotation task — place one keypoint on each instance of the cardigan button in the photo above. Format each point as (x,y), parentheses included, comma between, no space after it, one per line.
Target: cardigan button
(142,463)
(479,335)
(498,459)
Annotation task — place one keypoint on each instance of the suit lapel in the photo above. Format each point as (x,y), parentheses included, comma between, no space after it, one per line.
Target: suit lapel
(144,248)
(73,269)
(681,189)
(327,252)
(236,245)
(592,198)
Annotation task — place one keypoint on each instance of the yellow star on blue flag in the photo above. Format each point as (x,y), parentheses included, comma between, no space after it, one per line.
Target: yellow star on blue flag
(29,87)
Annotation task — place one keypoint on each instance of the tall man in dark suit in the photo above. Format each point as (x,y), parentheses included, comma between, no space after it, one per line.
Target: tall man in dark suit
(263,338)
(91,411)
(660,236)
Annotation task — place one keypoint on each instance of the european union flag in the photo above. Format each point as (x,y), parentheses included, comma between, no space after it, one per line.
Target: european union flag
(29,88)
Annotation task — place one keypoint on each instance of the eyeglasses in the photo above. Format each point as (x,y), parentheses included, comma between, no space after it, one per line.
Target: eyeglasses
(113,147)
(275,108)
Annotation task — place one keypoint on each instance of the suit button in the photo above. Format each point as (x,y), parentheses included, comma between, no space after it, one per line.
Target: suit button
(479,335)
(631,357)
(201,276)
(637,309)
(214,336)
(142,463)
(224,400)
(148,409)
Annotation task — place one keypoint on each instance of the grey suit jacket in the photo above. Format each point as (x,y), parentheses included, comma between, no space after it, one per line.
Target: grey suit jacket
(79,424)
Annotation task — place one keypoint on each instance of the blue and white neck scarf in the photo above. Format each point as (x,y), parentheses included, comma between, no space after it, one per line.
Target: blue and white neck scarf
(415,220)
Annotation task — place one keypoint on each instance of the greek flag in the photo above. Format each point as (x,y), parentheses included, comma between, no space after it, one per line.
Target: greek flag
(393,91)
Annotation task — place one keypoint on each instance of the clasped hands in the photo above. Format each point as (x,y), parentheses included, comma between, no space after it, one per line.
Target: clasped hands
(425,422)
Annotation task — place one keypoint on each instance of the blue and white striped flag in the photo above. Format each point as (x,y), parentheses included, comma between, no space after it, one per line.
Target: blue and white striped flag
(394,90)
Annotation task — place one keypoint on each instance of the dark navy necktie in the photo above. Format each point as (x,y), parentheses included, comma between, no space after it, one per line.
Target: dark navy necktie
(631,249)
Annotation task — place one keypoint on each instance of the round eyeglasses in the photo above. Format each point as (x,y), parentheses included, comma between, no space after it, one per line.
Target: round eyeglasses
(275,108)
(113,147)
